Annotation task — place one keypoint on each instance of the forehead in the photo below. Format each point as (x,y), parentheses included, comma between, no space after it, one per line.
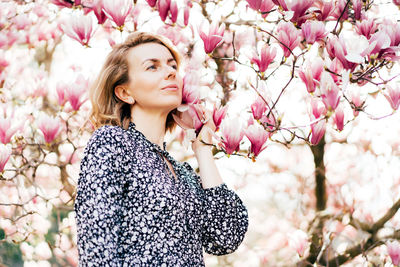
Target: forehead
(140,53)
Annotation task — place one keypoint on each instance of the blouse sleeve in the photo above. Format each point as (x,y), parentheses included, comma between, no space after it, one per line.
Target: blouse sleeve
(98,203)
(225,218)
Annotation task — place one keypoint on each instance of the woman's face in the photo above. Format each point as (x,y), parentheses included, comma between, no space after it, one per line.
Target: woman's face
(154,84)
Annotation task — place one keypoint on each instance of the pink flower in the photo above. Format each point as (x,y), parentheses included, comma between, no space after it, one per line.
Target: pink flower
(173,9)
(317,131)
(258,138)
(191,89)
(357,7)
(8,129)
(339,118)
(263,6)
(117,10)
(356,101)
(329,92)
(97,7)
(366,27)
(191,118)
(336,67)
(317,109)
(75,92)
(299,8)
(380,42)
(21,21)
(396,2)
(186,14)
(324,9)
(219,115)
(61,88)
(288,36)
(393,96)
(62,3)
(49,127)
(5,154)
(311,75)
(393,249)
(339,11)
(258,108)
(152,3)
(266,57)
(163,8)
(299,241)
(214,37)
(336,48)
(232,135)
(313,31)
(80,29)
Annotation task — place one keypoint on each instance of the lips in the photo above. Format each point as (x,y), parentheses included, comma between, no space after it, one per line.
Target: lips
(170,87)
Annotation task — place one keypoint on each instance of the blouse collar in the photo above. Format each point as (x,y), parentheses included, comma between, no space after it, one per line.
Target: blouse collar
(153,146)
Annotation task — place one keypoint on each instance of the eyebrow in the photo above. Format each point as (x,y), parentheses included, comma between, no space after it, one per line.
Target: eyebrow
(157,60)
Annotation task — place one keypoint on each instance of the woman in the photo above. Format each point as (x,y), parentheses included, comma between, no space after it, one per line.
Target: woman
(135,204)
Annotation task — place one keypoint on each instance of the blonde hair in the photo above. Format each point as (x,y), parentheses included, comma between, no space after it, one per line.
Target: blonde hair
(107,108)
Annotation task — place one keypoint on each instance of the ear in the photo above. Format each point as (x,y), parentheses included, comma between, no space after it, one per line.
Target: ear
(122,92)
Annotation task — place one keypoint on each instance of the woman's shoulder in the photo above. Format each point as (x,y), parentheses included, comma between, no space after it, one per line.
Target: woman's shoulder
(108,135)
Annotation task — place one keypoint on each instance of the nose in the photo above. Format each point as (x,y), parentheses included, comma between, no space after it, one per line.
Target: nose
(170,72)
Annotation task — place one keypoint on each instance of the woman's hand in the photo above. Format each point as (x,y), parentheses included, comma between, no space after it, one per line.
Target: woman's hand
(205,135)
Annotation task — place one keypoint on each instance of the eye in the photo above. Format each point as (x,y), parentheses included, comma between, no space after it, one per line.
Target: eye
(151,67)
(175,66)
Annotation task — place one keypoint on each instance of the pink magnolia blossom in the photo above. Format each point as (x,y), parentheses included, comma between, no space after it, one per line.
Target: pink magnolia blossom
(298,8)
(152,3)
(366,27)
(288,36)
(232,135)
(336,68)
(21,21)
(74,93)
(299,241)
(336,48)
(265,58)
(396,2)
(97,7)
(62,3)
(258,137)
(311,75)
(212,37)
(329,92)
(8,127)
(314,31)
(163,7)
(393,249)
(263,6)
(379,41)
(173,9)
(357,7)
(258,108)
(79,28)
(356,101)
(49,126)
(339,118)
(186,14)
(117,10)
(61,88)
(190,118)
(317,108)
(340,10)
(317,131)
(393,96)
(324,9)
(191,89)
(218,115)
(5,154)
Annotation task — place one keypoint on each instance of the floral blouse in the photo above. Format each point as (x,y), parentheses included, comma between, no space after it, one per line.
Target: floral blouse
(131,211)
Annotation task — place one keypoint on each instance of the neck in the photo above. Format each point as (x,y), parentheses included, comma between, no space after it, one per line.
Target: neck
(151,124)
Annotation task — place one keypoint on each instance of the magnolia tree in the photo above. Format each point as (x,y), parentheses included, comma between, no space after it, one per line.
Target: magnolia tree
(311,85)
